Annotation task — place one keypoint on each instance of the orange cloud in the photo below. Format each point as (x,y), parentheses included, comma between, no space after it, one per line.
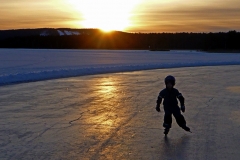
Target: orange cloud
(36,14)
(148,16)
(175,17)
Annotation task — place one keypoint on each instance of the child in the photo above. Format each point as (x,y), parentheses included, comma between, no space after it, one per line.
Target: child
(170,104)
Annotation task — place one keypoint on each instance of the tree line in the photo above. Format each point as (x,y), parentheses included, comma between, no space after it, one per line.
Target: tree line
(96,39)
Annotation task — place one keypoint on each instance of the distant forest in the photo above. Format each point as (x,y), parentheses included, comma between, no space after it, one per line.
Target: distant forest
(96,39)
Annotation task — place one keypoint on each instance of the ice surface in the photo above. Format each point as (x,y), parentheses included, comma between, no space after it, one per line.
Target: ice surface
(24,65)
(112,116)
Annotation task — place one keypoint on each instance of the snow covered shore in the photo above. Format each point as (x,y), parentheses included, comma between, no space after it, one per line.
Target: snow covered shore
(26,65)
(112,116)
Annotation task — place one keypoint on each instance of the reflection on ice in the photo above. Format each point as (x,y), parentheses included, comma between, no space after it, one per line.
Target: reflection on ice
(106,85)
(234,89)
(105,105)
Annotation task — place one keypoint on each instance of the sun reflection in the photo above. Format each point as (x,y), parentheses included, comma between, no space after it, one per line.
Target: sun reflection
(106,85)
(109,122)
(234,89)
(106,99)
(104,109)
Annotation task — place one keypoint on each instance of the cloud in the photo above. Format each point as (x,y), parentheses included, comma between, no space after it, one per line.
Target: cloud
(35,14)
(195,19)
(149,16)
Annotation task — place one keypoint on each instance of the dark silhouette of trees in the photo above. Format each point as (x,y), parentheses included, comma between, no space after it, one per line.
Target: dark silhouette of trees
(96,39)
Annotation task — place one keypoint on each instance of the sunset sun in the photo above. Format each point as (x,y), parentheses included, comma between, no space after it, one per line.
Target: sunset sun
(106,15)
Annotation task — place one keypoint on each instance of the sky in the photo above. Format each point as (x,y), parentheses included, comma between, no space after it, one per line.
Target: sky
(124,15)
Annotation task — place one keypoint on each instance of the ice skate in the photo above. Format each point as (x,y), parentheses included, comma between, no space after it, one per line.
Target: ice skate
(186,129)
(166,130)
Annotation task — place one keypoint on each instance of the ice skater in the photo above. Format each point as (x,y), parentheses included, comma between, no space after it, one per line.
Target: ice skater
(170,105)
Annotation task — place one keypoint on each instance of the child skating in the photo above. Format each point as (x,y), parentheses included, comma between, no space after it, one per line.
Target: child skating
(170,105)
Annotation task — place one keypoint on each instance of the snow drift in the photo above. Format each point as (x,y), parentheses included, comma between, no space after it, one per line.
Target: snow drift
(26,65)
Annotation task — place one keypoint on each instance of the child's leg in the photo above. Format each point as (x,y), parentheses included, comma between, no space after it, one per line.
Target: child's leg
(167,119)
(179,118)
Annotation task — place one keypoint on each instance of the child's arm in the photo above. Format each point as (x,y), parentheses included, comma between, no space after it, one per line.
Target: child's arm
(181,99)
(159,101)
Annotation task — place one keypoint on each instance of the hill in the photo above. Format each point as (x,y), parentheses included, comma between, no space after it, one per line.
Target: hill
(66,38)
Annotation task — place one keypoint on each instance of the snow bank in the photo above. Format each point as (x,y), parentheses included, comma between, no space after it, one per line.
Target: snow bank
(35,65)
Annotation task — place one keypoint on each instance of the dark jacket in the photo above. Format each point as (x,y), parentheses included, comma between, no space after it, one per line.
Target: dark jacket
(170,98)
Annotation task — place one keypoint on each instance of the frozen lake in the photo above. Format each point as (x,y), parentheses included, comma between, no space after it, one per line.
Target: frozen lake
(113,116)
(24,65)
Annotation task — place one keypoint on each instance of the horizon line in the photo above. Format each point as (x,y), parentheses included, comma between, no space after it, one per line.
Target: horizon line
(118,30)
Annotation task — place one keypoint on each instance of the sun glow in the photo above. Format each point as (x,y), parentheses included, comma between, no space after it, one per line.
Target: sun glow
(106,15)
